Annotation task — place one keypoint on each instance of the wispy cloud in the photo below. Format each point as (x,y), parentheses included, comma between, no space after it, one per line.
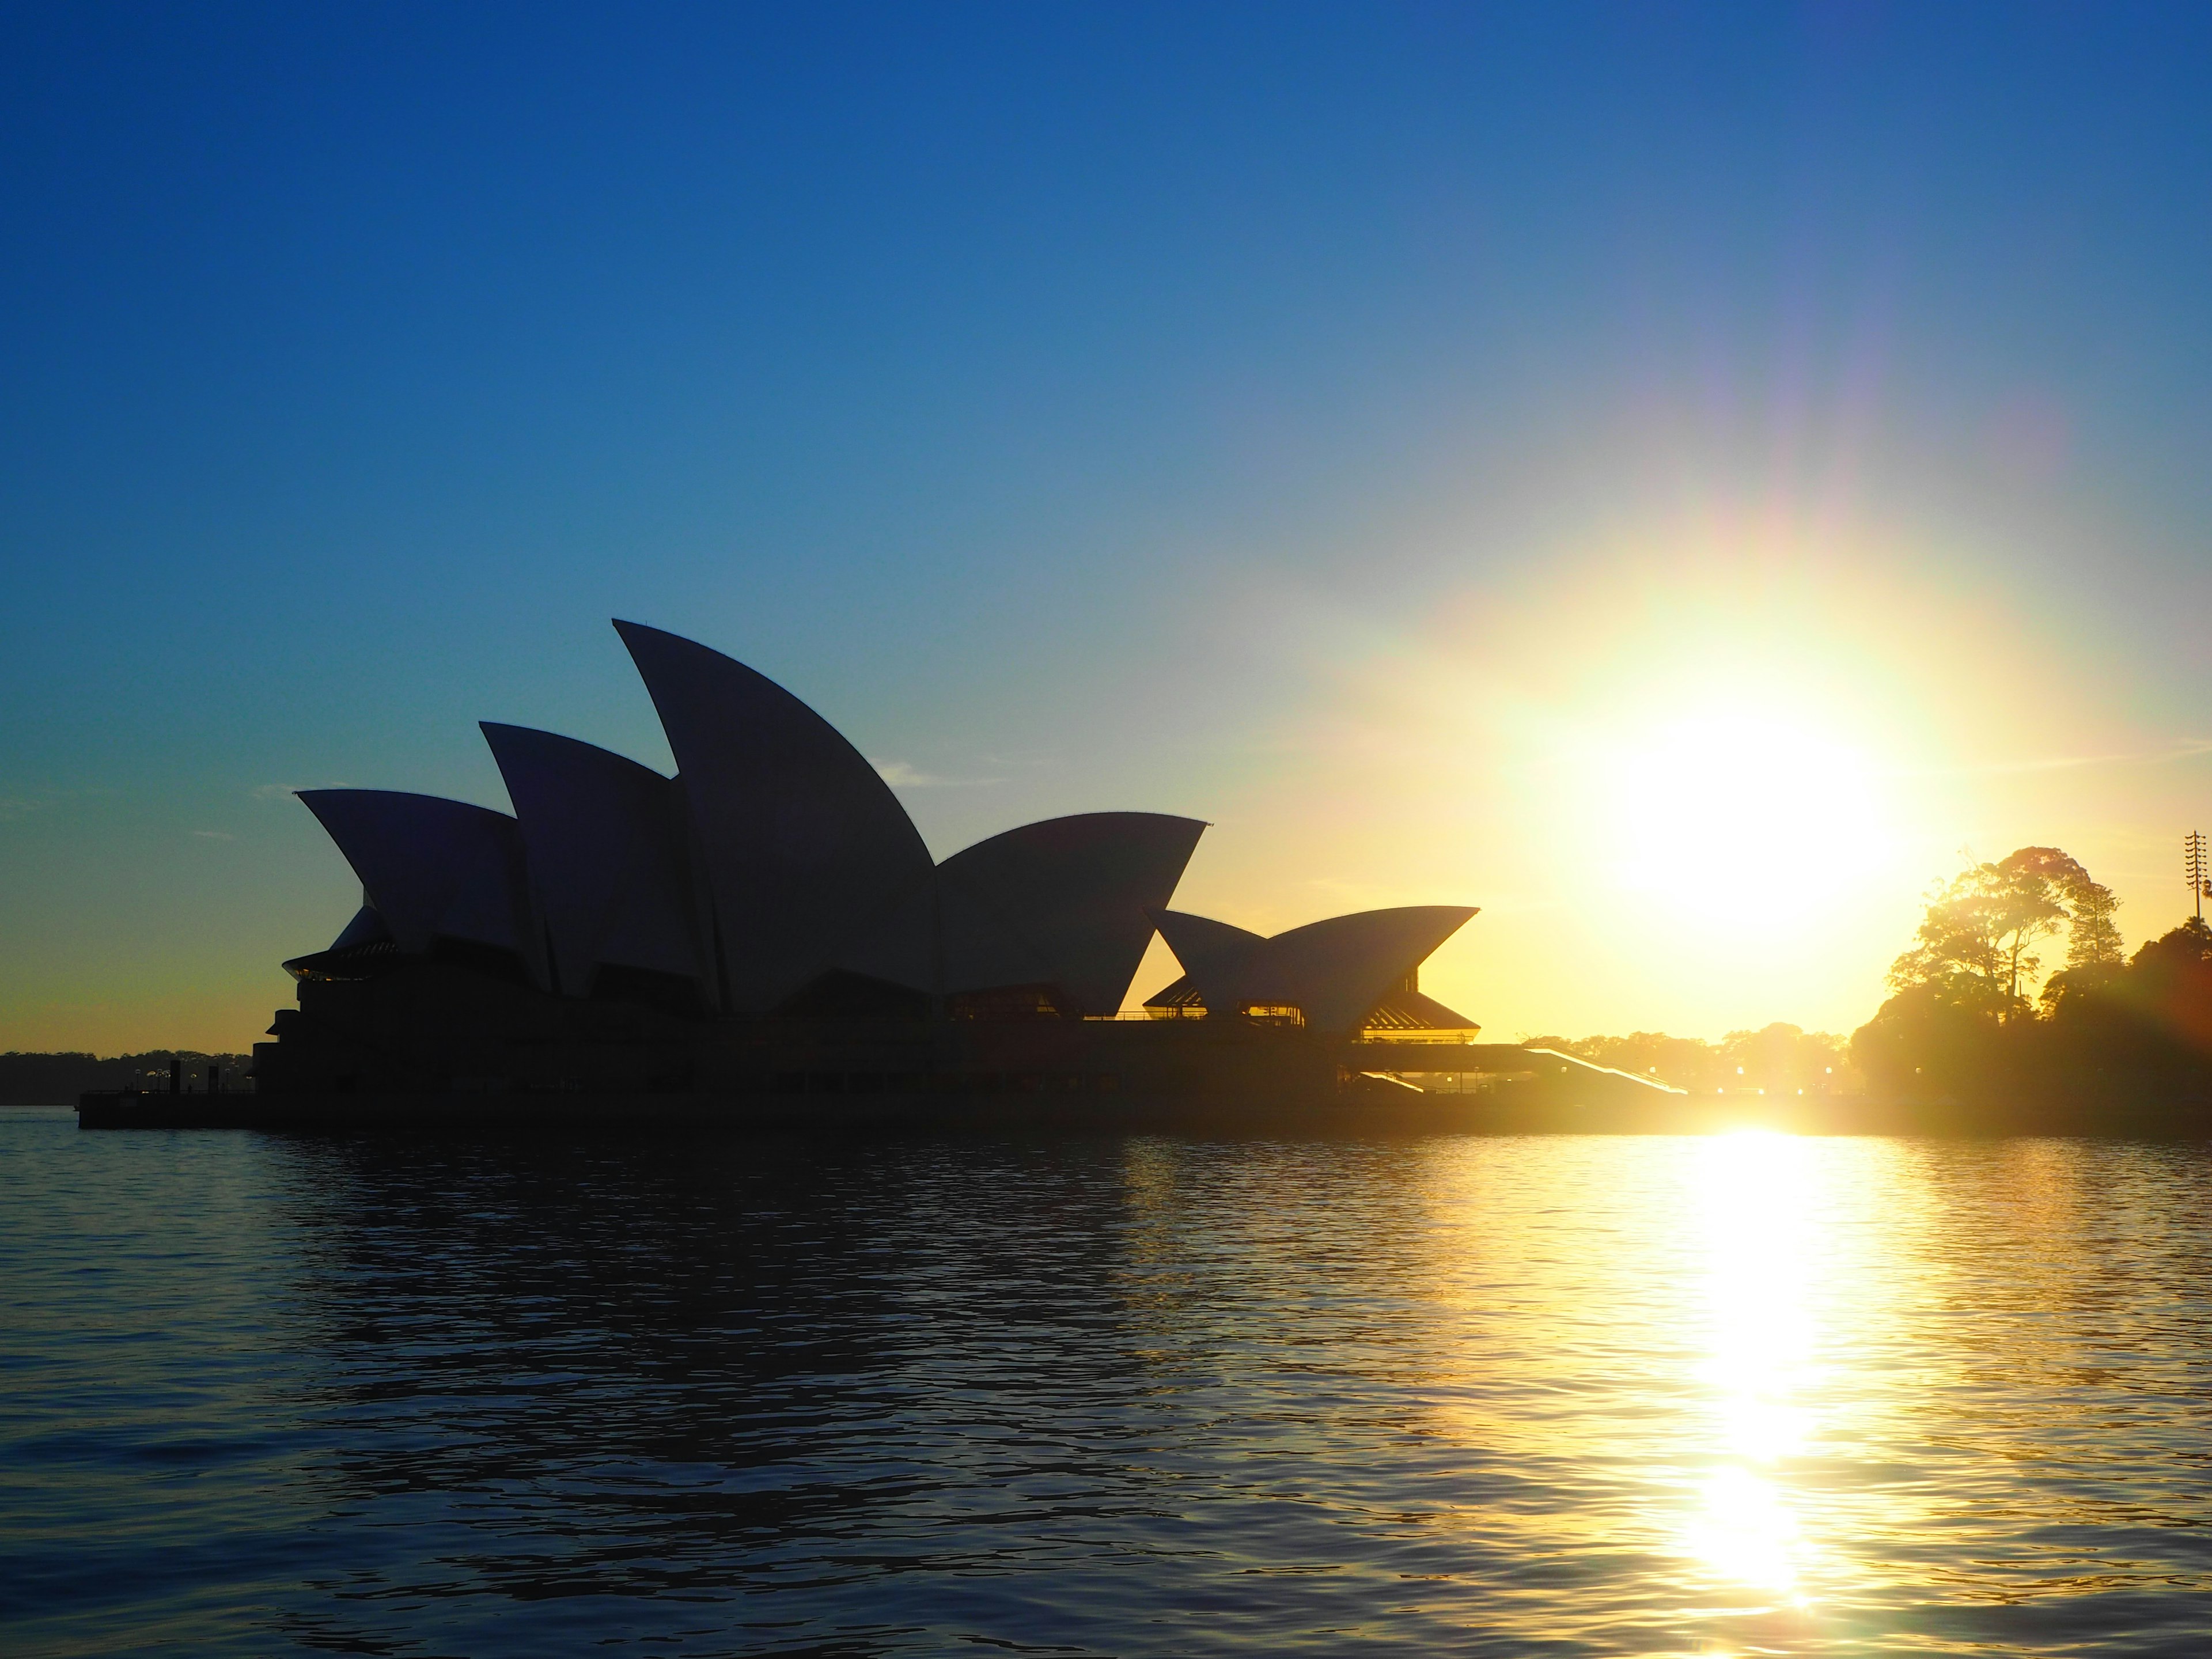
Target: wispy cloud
(900,775)
(13,807)
(214,834)
(2189,749)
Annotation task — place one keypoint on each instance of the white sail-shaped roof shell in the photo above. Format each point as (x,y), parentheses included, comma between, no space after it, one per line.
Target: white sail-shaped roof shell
(803,845)
(605,842)
(434,868)
(1066,903)
(1079,892)
(1212,955)
(1334,971)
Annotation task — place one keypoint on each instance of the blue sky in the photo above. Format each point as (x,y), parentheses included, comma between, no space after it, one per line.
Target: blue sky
(1085,406)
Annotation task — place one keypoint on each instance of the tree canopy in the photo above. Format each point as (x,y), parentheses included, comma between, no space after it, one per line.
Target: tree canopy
(2118,1044)
(1983,930)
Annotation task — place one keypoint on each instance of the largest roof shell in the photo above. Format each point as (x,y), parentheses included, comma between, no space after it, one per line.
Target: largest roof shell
(803,844)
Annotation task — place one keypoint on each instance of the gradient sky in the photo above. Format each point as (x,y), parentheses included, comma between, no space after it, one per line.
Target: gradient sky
(1673,478)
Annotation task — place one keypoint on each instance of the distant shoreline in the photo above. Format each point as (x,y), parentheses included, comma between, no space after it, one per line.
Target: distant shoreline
(38,1079)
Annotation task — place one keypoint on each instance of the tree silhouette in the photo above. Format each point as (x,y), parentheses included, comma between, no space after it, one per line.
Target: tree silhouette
(1987,922)
(2092,937)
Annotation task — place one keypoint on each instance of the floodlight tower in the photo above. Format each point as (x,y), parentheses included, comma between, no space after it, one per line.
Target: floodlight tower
(2196,867)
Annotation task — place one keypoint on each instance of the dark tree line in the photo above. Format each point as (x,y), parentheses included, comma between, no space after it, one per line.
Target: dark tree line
(2109,1042)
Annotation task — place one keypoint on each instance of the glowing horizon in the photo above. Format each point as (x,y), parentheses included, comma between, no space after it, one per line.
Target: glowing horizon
(1676,512)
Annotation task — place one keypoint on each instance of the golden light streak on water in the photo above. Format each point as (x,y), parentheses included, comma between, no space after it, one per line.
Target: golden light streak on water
(1740,1394)
(1753,1191)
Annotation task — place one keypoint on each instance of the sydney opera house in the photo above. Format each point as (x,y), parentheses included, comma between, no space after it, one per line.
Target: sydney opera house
(764,939)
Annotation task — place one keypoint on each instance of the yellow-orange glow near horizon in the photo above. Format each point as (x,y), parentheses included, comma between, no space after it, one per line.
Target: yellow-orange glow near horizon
(1742,822)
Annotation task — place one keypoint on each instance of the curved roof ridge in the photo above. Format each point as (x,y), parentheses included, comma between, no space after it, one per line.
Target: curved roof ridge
(1335,969)
(802,843)
(1076,893)
(604,843)
(1340,967)
(434,867)
(1212,954)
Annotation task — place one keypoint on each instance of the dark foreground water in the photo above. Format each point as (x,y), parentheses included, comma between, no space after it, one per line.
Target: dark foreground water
(1730,1395)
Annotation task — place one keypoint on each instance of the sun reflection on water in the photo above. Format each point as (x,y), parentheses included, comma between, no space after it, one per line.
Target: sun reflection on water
(1754,1197)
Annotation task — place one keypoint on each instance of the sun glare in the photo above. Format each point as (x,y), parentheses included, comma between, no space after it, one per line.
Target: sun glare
(1745,821)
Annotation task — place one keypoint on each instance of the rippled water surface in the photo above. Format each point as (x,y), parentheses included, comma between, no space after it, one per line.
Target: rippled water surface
(1728,1395)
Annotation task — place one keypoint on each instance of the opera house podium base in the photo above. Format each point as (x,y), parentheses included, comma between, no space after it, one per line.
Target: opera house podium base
(1086,1077)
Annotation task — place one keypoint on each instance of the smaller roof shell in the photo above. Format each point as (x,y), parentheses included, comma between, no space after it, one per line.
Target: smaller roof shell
(1334,971)
(367,928)
(435,868)
(605,840)
(1077,892)
(1066,902)
(1214,955)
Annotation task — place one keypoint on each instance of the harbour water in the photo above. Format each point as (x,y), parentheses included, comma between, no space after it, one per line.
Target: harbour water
(1731,1393)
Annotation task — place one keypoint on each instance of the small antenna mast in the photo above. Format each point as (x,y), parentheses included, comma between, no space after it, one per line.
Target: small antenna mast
(2197,867)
